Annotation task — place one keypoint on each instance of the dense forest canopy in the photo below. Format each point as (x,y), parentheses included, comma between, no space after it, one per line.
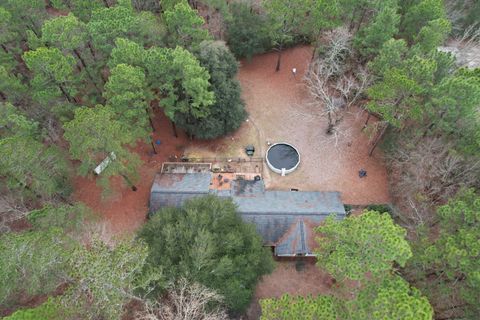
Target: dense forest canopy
(80,81)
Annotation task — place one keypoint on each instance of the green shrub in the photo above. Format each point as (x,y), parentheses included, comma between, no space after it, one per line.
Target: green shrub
(49,310)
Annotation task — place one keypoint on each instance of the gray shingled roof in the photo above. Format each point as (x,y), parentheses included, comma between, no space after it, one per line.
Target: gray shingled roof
(291,202)
(295,242)
(173,189)
(280,216)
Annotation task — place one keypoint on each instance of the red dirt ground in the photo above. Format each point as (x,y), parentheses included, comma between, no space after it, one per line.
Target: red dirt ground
(125,210)
(286,279)
(281,109)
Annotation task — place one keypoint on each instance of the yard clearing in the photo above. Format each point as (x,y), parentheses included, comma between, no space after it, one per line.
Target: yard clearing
(280,110)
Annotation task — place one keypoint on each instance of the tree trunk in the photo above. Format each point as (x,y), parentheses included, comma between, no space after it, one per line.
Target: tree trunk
(366,121)
(84,65)
(129,182)
(330,123)
(277,68)
(92,52)
(106,3)
(153,145)
(32,27)
(361,19)
(5,49)
(147,110)
(174,127)
(313,53)
(69,98)
(377,139)
(352,20)
(3,96)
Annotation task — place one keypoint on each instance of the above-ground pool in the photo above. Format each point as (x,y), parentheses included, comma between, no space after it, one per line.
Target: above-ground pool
(282,158)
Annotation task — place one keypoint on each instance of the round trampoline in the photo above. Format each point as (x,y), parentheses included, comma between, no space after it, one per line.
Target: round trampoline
(282,158)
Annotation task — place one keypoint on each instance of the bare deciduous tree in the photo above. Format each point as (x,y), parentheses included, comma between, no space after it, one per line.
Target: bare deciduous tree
(426,175)
(337,44)
(330,81)
(11,210)
(184,301)
(335,93)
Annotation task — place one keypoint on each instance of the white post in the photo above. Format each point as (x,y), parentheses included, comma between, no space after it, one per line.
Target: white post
(283,172)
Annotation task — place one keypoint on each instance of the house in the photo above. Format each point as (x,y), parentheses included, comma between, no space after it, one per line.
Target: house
(285,219)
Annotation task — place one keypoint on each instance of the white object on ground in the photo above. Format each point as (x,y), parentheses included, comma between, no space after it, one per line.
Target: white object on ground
(104,164)
(283,172)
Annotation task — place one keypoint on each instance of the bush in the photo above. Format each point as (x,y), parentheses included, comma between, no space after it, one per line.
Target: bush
(228,111)
(380,208)
(207,242)
(46,311)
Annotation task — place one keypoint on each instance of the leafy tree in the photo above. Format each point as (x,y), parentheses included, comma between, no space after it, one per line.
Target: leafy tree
(451,261)
(94,135)
(9,40)
(107,24)
(297,308)
(285,20)
(207,242)
(247,31)
(149,30)
(70,35)
(392,298)
(384,25)
(31,262)
(184,26)
(228,112)
(127,52)
(33,168)
(71,218)
(175,76)
(356,12)
(27,165)
(391,55)
(400,95)
(104,278)
(322,15)
(80,8)
(378,244)
(432,35)
(183,85)
(26,15)
(13,122)
(126,93)
(417,13)
(454,106)
(53,74)
(11,87)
